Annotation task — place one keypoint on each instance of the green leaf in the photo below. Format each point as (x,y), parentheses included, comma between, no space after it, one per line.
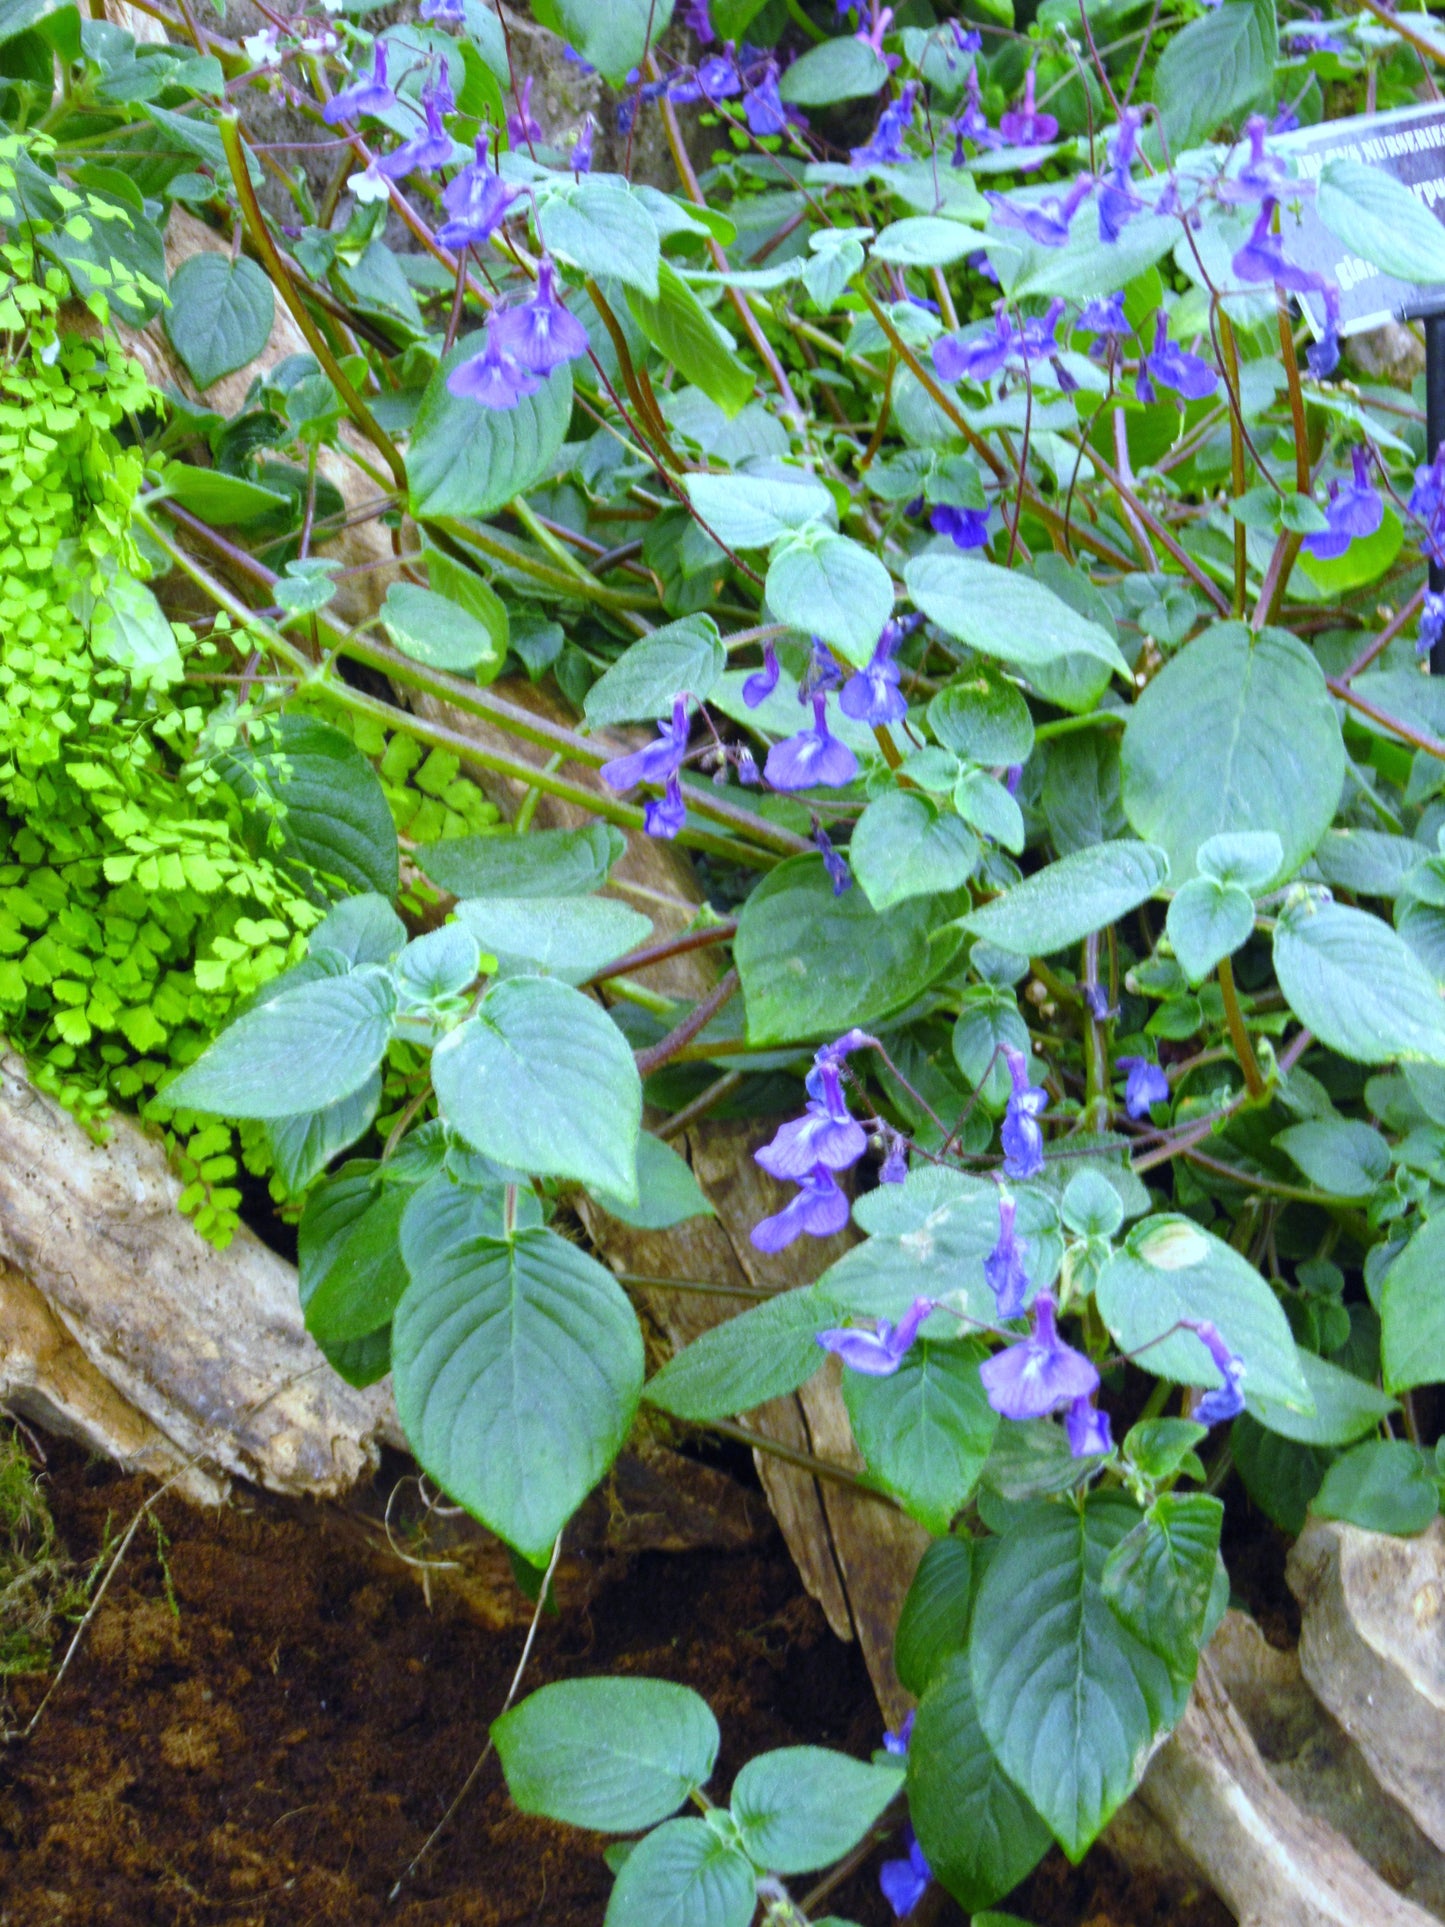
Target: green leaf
(762,1353)
(684,1875)
(668,1193)
(1159,1577)
(1091,1206)
(1339,1155)
(542,1080)
(476,598)
(361,930)
(1371,863)
(904,846)
(129,627)
(829,586)
(933,1625)
(1248,858)
(1346,1408)
(333,816)
(612,1755)
(1377,217)
(1069,1699)
(1265,751)
(1170,1268)
(220,315)
(925,1430)
(570,938)
(925,241)
(601,228)
(845,69)
(1003,614)
(1064,902)
(1214,69)
(978,1833)
(305,1049)
(1280,1476)
(113,255)
(430,629)
(754,511)
(222,500)
(1381,1485)
(1412,1311)
(437,967)
(516,1367)
(1208,920)
(685,334)
(1357,984)
(544,863)
(464,459)
(364,1277)
(983,717)
(803,1807)
(302,1147)
(682,659)
(982,801)
(812,964)
(612,35)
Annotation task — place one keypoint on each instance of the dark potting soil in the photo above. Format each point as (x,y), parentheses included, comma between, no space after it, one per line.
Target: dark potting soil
(264,1723)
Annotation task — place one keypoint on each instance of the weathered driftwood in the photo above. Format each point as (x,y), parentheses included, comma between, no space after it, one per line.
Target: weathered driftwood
(1373,1649)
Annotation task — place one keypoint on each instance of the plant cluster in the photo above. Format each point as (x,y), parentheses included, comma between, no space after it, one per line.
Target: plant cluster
(966,477)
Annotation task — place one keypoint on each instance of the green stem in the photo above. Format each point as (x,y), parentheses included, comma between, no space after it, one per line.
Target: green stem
(1254,1078)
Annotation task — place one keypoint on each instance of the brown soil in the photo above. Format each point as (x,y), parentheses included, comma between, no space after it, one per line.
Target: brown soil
(264,1724)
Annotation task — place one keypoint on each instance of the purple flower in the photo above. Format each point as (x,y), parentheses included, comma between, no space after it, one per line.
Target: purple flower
(1118,203)
(1432,624)
(872,695)
(894,1168)
(1103,317)
(885,146)
(1262,177)
(1096,1002)
(659,761)
(904,1882)
(1025,126)
(1262,258)
(371,96)
(1316,38)
(1427,500)
(718,77)
(877,1354)
(580,159)
(1045,221)
(812,757)
(1324,355)
(523,127)
(1088,1429)
(698,21)
(763,106)
(761,684)
(898,1743)
(976,357)
(443,13)
(1174,367)
(1351,512)
(826,1136)
(967,528)
(665,817)
(476,202)
(1144,1085)
(834,862)
(1004,1269)
(494,378)
(1021,1134)
(819,1209)
(540,335)
(972,124)
(1226,1401)
(1041,1373)
(821,674)
(1038,338)
(424,153)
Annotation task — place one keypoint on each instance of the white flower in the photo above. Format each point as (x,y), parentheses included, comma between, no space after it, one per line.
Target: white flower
(260,48)
(318,43)
(370,186)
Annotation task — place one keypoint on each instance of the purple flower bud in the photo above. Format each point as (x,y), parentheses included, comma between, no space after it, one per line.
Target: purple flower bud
(748,768)
(580,159)
(978,356)
(897,1743)
(1226,1401)
(523,127)
(1045,221)
(885,147)
(1005,1270)
(1174,367)
(476,203)
(1144,1085)
(818,1210)
(1352,513)
(967,528)
(812,758)
(698,21)
(872,694)
(1088,1429)
(659,761)
(904,1882)
(1021,1134)
(835,864)
(1432,623)
(878,1354)
(666,817)
(443,13)
(763,107)
(1323,356)
(1040,1374)
(370,96)
(894,1168)
(821,674)
(972,124)
(1096,1002)
(1026,126)
(494,378)
(541,334)
(761,684)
